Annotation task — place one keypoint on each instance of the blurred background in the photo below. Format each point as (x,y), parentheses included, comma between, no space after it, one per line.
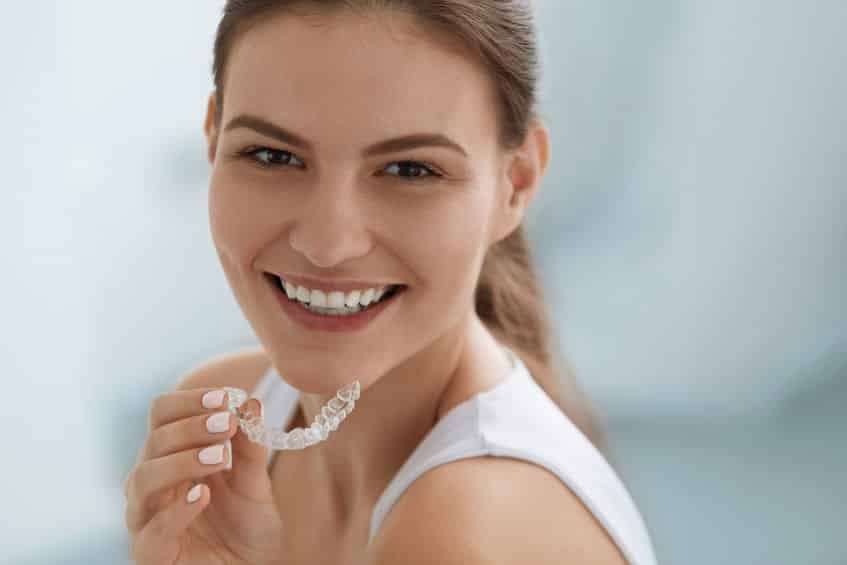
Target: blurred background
(691,235)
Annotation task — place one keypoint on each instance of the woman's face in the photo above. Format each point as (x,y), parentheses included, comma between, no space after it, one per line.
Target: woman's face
(330,208)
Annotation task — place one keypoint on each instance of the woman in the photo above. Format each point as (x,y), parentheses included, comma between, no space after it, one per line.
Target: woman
(372,164)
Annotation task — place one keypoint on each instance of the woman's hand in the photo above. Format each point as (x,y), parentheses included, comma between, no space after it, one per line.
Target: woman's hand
(234,520)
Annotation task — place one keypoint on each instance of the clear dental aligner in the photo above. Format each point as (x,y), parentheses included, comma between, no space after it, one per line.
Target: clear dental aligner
(331,415)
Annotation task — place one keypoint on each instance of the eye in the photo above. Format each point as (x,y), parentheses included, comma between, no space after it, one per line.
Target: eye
(411,171)
(418,171)
(269,158)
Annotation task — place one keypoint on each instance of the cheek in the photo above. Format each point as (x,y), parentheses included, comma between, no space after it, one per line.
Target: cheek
(232,218)
(449,242)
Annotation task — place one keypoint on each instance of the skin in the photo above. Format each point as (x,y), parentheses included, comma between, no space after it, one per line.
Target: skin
(344,82)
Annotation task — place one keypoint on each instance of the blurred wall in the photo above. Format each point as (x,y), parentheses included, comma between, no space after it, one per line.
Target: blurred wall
(690,233)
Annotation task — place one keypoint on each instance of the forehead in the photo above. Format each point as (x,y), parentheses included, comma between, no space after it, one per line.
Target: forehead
(345,78)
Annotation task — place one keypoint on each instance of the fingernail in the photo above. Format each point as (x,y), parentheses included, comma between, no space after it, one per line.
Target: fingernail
(218,422)
(228,466)
(212,455)
(194,494)
(213,399)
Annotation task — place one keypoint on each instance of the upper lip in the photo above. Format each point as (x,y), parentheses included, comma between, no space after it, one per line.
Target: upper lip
(328,285)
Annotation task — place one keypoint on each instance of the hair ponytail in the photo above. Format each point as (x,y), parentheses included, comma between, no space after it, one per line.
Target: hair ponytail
(509,300)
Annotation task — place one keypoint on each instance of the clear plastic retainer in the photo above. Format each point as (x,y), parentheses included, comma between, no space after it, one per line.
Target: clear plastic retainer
(331,415)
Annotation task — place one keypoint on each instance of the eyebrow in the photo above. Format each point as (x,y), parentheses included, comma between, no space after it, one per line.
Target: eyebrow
(392,145)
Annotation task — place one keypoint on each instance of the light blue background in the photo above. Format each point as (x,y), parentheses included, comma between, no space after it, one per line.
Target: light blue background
(691,236)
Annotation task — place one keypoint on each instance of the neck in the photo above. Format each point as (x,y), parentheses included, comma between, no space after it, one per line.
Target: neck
(395,413)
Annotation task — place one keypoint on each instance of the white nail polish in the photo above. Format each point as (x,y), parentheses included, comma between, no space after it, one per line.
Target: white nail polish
(194,494)
(228,466)
(212,455)
(217,422)
(213,399)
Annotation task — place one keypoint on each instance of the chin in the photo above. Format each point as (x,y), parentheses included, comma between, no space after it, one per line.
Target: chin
(312,375)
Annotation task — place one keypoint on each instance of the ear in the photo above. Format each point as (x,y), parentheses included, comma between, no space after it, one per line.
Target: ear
(210,128)
(524,170)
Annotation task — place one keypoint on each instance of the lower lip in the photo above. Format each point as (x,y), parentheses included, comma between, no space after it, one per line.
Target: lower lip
(326,323)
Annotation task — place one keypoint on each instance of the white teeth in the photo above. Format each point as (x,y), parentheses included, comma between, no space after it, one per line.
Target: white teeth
(302,294)
(290,290)
(317,298)
(335,299)
(367,297)
(353,298)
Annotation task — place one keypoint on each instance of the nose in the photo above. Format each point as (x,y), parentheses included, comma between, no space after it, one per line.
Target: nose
(330,228)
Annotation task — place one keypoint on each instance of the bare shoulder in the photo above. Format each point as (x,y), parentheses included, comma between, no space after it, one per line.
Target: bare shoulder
(241,368)
(492,510)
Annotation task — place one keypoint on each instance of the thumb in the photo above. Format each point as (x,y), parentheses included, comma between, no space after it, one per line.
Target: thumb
(248,461)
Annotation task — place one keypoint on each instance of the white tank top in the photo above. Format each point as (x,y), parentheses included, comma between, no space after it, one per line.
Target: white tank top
(514,419)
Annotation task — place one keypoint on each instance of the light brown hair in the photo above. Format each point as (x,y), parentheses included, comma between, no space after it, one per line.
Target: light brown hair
(501,34)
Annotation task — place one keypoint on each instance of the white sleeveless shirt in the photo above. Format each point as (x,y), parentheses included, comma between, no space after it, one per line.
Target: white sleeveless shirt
(514,419)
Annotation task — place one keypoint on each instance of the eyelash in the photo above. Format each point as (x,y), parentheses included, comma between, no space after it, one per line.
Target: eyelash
(250,155)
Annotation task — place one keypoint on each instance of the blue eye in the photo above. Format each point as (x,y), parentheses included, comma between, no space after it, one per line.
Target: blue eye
(272,158)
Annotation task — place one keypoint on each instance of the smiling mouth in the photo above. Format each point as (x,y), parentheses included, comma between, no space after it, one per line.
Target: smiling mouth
(390,293)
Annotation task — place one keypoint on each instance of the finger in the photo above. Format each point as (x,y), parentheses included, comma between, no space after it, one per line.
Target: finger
(193,431)
(176,405)
(151,478)
(188,433)
(249,474)
(159,541)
